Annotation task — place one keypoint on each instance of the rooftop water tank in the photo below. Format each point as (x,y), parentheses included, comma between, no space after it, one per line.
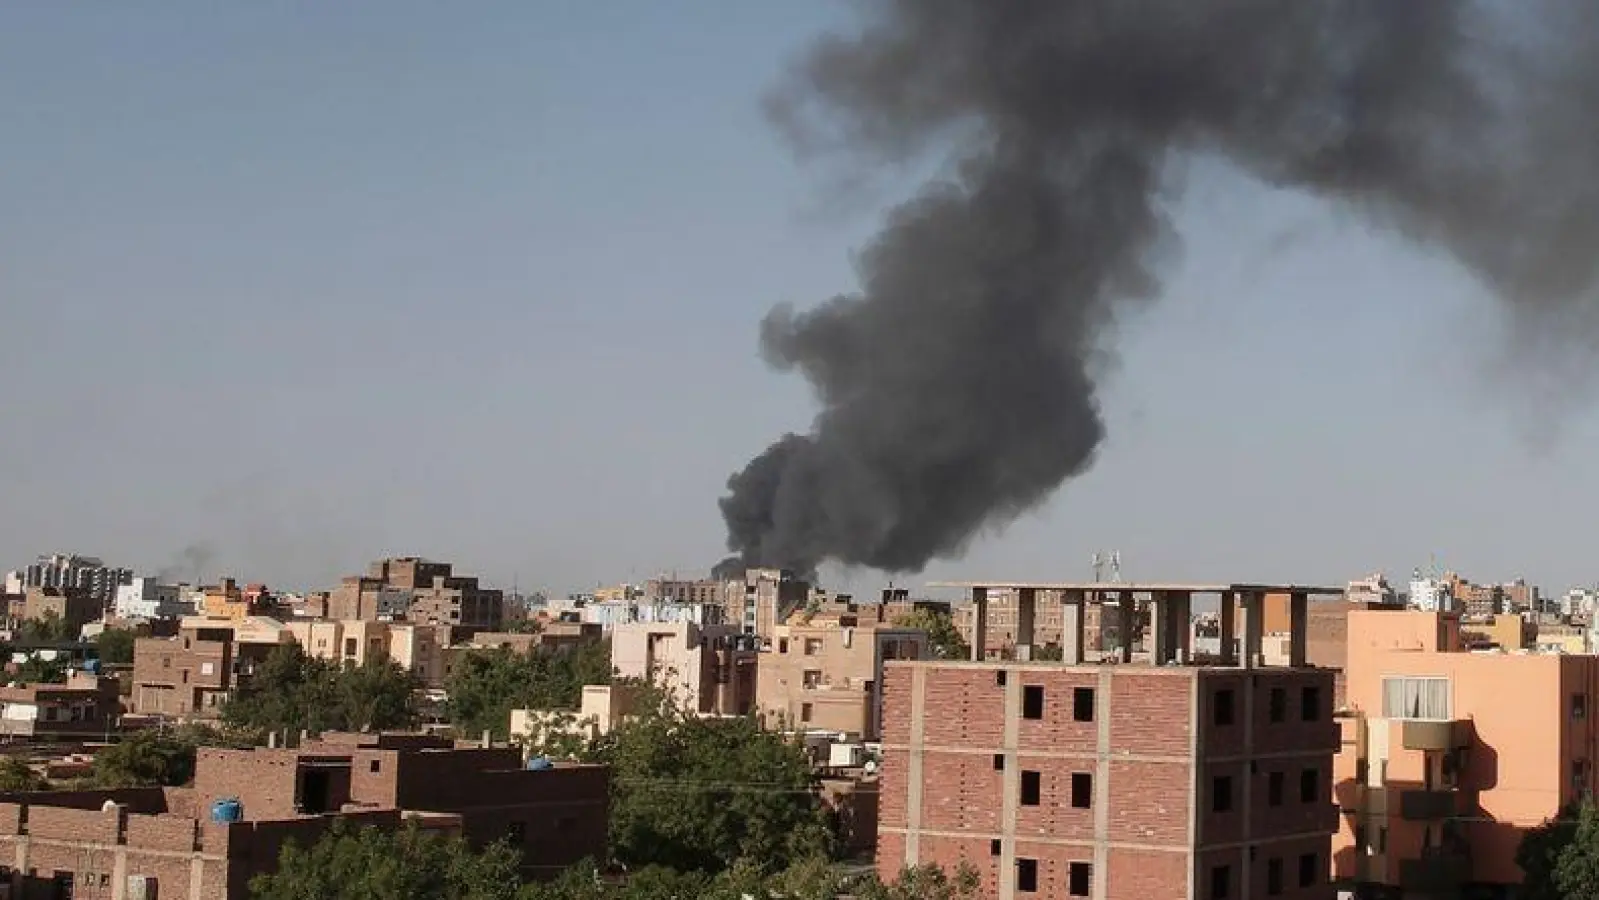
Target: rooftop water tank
(227,811)
(540,764)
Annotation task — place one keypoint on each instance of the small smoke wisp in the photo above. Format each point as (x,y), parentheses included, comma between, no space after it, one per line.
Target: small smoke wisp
(957,386)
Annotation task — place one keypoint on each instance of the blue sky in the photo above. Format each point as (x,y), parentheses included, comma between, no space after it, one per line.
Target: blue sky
(315,283)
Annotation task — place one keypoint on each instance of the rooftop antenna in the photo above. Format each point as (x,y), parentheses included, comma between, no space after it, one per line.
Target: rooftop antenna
(1099,566)
(1116,565)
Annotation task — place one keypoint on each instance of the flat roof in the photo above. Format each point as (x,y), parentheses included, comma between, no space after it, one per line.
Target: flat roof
(1138,587)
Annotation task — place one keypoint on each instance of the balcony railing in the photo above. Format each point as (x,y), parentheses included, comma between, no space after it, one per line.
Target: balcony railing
(1427,806)
(1436,735)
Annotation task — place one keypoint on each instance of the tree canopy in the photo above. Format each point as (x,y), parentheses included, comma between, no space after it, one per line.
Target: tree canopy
(945,638)
(116,646)
(148,758)
(16,776)
(49,627)
(357,863)
(485,685)
(1560,858)
(292,692)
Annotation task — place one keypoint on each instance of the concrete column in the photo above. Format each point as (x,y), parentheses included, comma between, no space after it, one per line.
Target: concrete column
(1026,617)
(979,623)
(1071,628)
(1254,610)
(1228,628)
(1160,637)
(1169,627)
(1182,624)
(1298,628)
(1127,616)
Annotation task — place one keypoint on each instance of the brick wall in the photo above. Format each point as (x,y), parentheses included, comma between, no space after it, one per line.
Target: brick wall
(262,780)
(1147,874)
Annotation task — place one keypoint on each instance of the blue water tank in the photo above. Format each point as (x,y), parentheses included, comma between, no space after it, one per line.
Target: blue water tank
(92,666)
(227,811)
(540,764)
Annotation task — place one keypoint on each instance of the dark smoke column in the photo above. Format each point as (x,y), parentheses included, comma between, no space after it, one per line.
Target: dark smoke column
(957,387)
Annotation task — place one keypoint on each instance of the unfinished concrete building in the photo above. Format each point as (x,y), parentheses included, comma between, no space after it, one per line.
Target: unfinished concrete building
(1142,771)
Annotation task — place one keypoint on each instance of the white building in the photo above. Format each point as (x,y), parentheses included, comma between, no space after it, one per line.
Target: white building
(1431,594)
(1373,588)
(146,599)
(610,613)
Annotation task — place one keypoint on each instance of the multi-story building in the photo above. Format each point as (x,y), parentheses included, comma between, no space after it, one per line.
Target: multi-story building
(1373,588)
(1001,622)
(610,613)
(147,598)
(1449,755)
(419,649)
(367,598)
(1431,593)
(84,707)
(826,674)
(763,600)
(87,574)
(74,606)
(708,669)
(670,590)
(192,674)
(1156,776)
(211,839)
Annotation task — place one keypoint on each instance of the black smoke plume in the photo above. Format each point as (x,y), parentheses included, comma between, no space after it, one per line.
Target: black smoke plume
(957,387)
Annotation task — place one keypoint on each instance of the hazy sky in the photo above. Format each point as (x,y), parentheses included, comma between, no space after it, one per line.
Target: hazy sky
(314,283)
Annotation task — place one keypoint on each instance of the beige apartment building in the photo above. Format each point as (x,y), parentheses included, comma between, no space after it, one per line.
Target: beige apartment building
(419,649)
(710,669)
(826,674)
(416,590)
(191,674)
(764,601)
(1450,755)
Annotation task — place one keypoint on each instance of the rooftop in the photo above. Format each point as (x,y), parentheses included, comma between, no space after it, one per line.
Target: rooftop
(1144,587)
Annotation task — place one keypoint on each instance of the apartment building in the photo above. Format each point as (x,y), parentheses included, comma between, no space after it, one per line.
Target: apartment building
(709,669)
(1001,623)
(1449,755)
(74,606)
(148,598)
(69,572)
(85,706)
(826,674)
(190,675)
(764,600)
(1124,775)
(420,649)
(691,592)
(211,839)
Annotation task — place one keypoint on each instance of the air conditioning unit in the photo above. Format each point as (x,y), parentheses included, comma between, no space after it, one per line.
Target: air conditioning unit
(141,887)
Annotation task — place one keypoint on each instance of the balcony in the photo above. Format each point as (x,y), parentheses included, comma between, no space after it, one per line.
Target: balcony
(1421,735)
(1428,806)
(1438,871)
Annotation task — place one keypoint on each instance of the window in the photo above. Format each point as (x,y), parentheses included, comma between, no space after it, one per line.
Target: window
(1309,786)
(1274,877)
(805,712)
(813,646)
(376,765)
(999,678)
(349,646)
(999,762)
(1032,786)
(1415,698)
(1278,704)
(1079,879)
(1274,789)
(782,645)
(1310,704)
(1382,839)
(1082,704)
(1082,790)
(813,678)
(1360,839)
(1579,706)
(1307,870)
(207,668)
(1033,701)
(1221,710)
(1027,875)
(993,847)
(1221,882)
(1221,793)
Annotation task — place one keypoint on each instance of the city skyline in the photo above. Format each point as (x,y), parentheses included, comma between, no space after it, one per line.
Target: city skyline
(308,333)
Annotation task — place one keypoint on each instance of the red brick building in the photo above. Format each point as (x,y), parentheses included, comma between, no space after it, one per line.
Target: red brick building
(166,843)
(1135,776)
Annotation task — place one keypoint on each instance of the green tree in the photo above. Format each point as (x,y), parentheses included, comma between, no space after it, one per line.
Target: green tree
(38,670)
(17,776)
(1577,869)
(812,879)
(116,646)
(49,627)
(351,862)
(709,794)
(292,692)
(942,634)
(147,758)
(486,685)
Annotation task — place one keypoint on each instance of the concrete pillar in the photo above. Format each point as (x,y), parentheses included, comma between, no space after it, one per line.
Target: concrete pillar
(1026,618)
(1298,627)
(1169,627)
(979,623)
(1127,617)
(1071,628)
(1228,628)
(1254,610)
